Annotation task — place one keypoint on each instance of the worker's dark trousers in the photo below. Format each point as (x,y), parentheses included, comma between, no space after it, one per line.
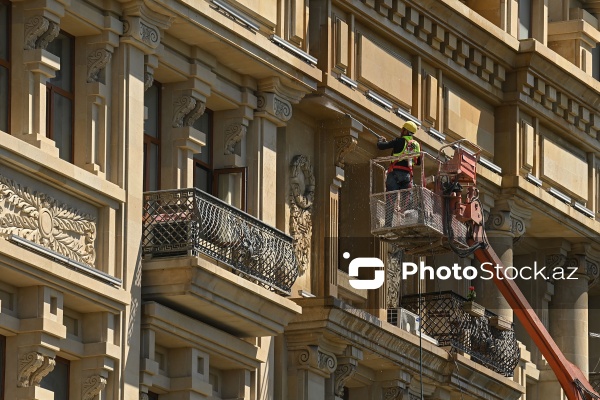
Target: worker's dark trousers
(397,179)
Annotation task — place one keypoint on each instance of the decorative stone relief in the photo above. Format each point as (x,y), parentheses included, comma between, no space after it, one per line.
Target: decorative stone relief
(187,110)
(97,61)
(555,261)
(343,373)
(592,272)
(149,35)
(39,32)
(92,386)
(233,135)
(274,105)
(148,80)
(343,146)
(314,357)
(46,367)
(41,219)
(134,28)
(33,367)
(505,221)
(393,393)
(302,182)
(393,277)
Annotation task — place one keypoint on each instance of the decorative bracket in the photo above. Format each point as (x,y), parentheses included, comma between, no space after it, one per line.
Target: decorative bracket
(302,196)
(92,386)
(33,367)
(343,146)
(39,32)
(186,110)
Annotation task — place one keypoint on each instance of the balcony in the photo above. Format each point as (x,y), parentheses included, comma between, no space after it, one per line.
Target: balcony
(487,342)
(190,221)
(216,263)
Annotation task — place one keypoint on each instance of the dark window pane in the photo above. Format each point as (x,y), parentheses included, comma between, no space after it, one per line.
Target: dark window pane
(152,396)
(3,99)
(57,380)
(151,95)
(63,126)
(2,363)
(3,31)
(202,179)
(153,167)
(203,125)
(524,19)
(62,47)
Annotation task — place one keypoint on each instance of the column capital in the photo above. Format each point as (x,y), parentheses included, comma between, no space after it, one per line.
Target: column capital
(317,360)
(142,27)
(508,216)
(273,107)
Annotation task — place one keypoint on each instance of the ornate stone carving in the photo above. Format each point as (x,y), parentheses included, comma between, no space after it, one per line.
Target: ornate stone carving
(592,272)
(555,261)
(393,393)
(314,357)
(343,146)
(393,276)
(187,110)
(302,182)
(274,105)
(233,135)
(43,220)
(39,32)
(505,221)
(148,80)
(343,373)
(282,109)
(47,366)
(149,35)
(33,367)
(92,386)
(28,364)
(97,61)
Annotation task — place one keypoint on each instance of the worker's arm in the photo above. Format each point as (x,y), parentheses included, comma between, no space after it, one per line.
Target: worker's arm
(383,144)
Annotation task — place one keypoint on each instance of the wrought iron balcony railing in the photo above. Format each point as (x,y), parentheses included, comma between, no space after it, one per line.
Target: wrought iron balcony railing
(190,221)
(444,318)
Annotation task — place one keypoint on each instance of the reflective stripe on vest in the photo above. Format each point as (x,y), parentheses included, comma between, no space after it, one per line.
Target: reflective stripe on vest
(411,145)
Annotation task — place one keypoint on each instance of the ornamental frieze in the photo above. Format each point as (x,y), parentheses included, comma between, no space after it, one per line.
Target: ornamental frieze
(45,221)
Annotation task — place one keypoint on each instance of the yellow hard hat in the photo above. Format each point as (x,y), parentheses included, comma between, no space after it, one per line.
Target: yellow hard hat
(410,126)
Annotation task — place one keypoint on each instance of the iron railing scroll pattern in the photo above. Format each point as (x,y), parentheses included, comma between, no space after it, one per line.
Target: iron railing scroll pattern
(190,222)
(444,319)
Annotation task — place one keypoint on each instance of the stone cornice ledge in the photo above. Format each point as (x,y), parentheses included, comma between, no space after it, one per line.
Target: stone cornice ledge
(330,319)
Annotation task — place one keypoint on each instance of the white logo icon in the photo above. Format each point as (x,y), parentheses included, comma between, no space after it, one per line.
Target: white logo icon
(366,262)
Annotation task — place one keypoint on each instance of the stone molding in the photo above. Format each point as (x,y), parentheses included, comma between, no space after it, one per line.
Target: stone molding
(33,367)
(560,103)
(43,220)
(186,110)
(343,146)
(142,27)
(92,386)
(96,62)
(440,38)
(301,208)
(39,32)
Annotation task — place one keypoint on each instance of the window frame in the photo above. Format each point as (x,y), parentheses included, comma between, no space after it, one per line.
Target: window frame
(208,167)
(232,170)
(66,362)
(6,63)
(51,89)
(149,140)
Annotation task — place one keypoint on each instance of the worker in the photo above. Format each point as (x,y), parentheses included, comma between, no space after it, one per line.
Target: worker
(399,173)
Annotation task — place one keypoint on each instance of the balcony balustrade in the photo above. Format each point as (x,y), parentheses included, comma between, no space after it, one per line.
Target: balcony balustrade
(445,318)
(190,222)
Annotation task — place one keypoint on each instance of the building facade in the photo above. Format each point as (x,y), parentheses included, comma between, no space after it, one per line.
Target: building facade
(182,190)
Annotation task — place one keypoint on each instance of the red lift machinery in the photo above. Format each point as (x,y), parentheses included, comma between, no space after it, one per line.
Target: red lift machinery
(442,213)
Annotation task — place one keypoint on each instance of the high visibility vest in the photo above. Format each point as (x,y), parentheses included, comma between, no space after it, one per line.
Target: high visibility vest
(410,146)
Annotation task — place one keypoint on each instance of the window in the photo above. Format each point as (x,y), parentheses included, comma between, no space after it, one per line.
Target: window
(60,97)
(524,19)
(152,396)
(2,364)
(203,169)
(57,381)
(152,138)
(4,65)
